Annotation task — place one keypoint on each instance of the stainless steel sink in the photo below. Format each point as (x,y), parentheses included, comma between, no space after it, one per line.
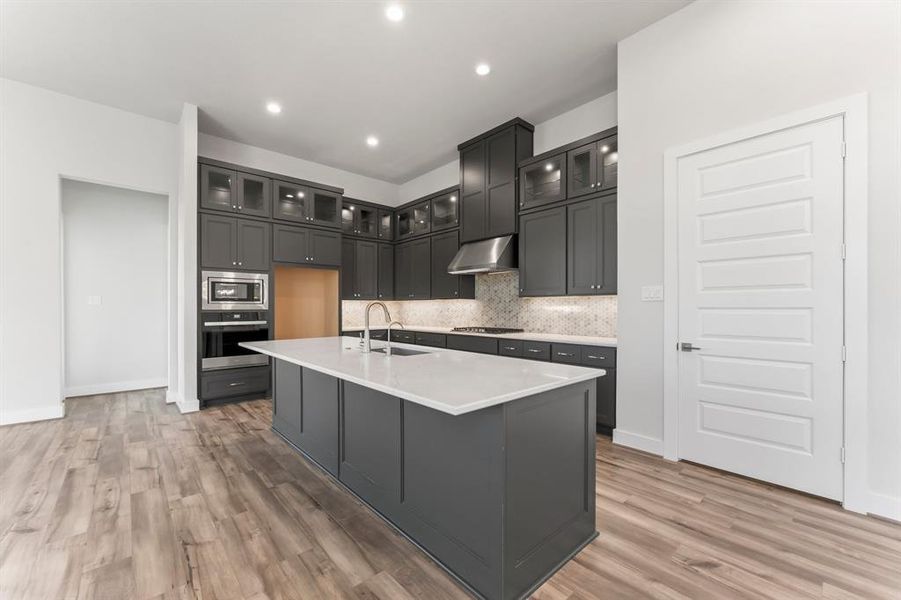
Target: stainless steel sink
(399,351)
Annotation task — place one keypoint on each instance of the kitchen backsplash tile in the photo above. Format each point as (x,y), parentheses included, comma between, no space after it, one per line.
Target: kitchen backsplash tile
(498,304)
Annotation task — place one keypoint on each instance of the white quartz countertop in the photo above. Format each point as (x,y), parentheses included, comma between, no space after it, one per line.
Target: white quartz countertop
(451,381)
(587,340)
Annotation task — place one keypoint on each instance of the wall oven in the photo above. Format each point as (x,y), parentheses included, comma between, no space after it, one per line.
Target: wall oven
(220,290)
(221,332)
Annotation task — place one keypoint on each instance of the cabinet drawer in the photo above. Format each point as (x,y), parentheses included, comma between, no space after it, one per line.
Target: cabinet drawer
(509,347)
(536,350)
(437,340)
(404,337)
(598,356)
(472,343)
(566,353)
(234,382)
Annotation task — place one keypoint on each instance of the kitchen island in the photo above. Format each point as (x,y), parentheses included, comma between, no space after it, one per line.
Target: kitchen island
(484,462)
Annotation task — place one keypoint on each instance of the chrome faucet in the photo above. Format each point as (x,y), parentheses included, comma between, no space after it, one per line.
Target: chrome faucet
(367,344)
(388,348)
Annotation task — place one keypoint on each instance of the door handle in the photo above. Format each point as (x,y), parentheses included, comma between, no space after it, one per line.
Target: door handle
(687,347)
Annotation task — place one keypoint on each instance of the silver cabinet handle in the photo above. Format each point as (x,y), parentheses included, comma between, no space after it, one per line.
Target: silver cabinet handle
(237,383)
(533,350)
(511,348)
(595,357)
(240,263)
(240,207)
(234,206)
(234,263)
(599,184)
(232,323)
(564,354)
(592,185)
(592,286)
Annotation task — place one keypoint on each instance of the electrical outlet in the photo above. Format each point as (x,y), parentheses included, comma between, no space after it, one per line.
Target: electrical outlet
(652,293)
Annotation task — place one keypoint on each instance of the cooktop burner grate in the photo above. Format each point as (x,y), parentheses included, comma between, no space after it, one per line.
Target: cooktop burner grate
(487,330)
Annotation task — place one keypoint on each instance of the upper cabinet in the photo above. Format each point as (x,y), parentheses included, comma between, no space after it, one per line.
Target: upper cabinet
(359,219)
(488,177)
(445,210)
(413,220)
(233,191)
(592,167)
(386,225)
(254,195)
(296,202)
(542,182)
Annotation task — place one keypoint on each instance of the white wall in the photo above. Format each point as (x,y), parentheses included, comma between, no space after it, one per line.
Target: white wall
(115,253)
(183,376)
(714,66)
(45,136)
(355,186)
(593,116)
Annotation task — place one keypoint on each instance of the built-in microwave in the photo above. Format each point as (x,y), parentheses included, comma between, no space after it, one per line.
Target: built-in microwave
(220,290)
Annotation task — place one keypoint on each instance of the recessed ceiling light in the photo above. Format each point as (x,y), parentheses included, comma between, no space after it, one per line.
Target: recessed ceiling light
(483,69)
(274,107)
(372,141)
(395,13)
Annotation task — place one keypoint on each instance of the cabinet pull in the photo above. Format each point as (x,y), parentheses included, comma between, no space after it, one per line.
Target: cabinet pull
(234,263)
(511,348)
(599,184)
(592,185)
(533,350)
(595,357)
(234,206)
(237,383)
(565,354)
(240,263)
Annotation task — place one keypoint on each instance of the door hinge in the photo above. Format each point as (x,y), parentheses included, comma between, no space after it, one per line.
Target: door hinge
(844,149)
(844,251)
(844,353)
(843,455)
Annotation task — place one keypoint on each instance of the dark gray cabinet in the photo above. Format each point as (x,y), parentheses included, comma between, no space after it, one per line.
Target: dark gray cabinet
(542,182)
(542,253)
(254,195)
(359,269)
(591,247)
(445,285)
(412,270)
(296,202)
(472,343)
(231,383)
(386,225)
(445,210)
(218,188)
(229,242)
(325,209)
(359,220)
(305,245)
(488,177)
(413,220)
(319,419)
(348,269)
(386,272)
(606,401)
(592,167)
(286,400)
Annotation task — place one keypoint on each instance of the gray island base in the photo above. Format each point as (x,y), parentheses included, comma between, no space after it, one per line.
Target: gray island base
(501,497)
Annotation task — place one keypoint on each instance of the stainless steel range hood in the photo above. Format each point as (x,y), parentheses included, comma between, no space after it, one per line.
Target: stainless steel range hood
(485,256)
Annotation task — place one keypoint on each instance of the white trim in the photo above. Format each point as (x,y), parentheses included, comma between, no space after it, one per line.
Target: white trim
(11,417)
(115,386)
(187,406)
(884,505)
(171,396)
(854,110)
(638,441)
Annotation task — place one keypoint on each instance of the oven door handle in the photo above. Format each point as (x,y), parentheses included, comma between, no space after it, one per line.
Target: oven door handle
(232,323)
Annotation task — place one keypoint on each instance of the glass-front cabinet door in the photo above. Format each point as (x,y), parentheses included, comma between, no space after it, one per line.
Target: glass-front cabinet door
(582,169)
(608,164)
(218,188)
(253,195)
(349,218)
(291,201)
(421,221)
(404,223)
(542,182)
(325,209)
(445,211)
(367,221)
(386,225)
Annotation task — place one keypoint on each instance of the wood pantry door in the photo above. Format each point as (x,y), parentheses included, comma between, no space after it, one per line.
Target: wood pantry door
(761,299)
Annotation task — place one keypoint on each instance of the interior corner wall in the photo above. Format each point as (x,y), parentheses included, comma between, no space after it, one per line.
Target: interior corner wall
(715,66)
(46,136)
(584,120)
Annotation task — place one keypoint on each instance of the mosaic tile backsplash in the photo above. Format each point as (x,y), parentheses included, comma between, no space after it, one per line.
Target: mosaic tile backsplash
(497,304)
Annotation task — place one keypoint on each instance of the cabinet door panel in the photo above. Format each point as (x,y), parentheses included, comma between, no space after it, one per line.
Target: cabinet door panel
(403,284)
(445,211)
(218,188)
(218,242)
(500,184)
(386,225)
(290,244)
(366,270)
(319,419)
(501,210)
(581,168)
(421,268)
(386,272)
(349,218)
(543,182)
(607,246)
(473,217)
(582,248)
(348,269)
(254,196)
(606,400)
(367,221)
(444,248)
(472,192)
(253,245)
(607,163)
(325,208)
(325,248)
(291,201)
(286,400)
(542,253)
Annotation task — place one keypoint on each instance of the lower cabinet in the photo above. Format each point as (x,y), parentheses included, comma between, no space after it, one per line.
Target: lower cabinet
(232,383)
(286,400)
(472,343)
(606,402)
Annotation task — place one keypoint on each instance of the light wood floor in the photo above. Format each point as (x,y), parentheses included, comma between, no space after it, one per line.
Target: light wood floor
(126,498)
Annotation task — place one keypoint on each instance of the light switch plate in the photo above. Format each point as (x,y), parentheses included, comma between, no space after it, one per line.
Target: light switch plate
(652,293)
(95,300)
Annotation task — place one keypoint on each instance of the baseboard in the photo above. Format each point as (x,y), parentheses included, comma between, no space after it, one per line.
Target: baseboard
(172,397)
(187,406)
(884,505)
(638,442)
(44,413)
(115,386)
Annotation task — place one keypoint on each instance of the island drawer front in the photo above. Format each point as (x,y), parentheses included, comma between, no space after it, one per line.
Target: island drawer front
(234,382)
(536,350)
(404,337)
(566,353)
(598,356)
(510,347)
(378,334)
(437,340)
(472,343)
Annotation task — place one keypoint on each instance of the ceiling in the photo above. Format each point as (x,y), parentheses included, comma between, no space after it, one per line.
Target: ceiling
(341,70)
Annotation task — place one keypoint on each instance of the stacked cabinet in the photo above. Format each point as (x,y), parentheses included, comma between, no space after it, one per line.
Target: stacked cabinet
(488,180)
(233,243)
(413,269)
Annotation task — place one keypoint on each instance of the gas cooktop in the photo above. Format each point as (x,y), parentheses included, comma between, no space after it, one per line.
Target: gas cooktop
(487,330)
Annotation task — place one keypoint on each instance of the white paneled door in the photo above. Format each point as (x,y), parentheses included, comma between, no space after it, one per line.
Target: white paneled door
(761,307)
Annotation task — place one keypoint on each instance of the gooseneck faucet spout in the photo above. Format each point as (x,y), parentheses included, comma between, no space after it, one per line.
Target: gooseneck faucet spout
(367,345)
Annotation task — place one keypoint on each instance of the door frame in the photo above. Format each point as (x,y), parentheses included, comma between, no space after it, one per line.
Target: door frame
(853,109)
